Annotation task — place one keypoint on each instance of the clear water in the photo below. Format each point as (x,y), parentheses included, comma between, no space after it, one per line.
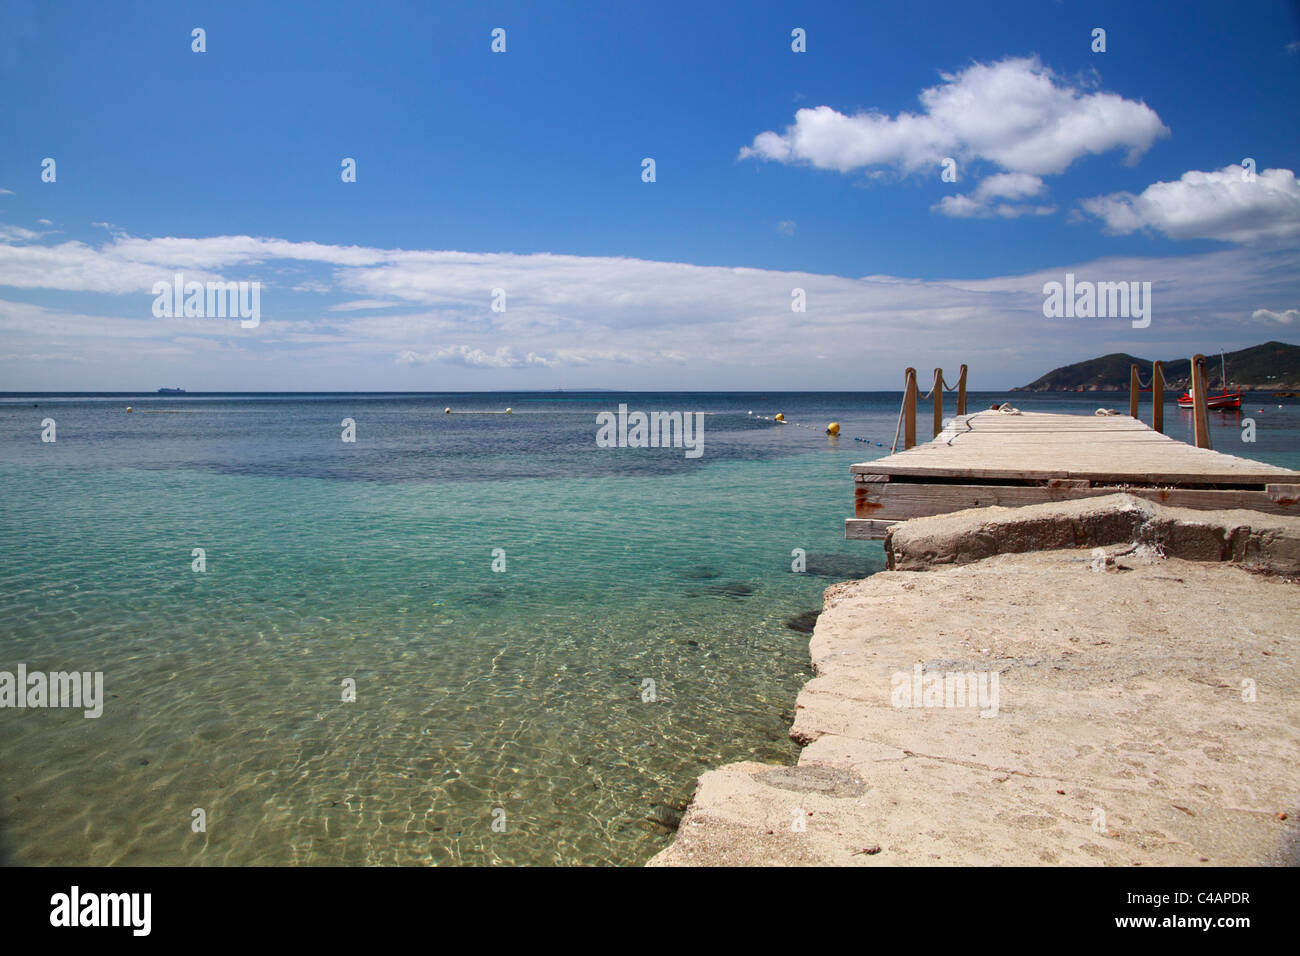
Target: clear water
(482,696)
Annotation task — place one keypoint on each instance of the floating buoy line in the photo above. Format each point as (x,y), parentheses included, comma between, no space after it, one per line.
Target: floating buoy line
(832,429)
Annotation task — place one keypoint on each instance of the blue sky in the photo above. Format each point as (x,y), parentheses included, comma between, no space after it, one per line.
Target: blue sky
(522,170)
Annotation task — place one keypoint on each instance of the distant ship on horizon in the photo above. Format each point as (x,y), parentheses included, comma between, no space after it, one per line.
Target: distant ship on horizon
(171,391)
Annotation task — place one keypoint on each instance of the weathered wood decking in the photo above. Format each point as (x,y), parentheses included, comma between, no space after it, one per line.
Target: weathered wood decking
(989,458)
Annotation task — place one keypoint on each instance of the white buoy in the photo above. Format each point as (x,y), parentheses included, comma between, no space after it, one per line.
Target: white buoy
(447,409)
(510,411)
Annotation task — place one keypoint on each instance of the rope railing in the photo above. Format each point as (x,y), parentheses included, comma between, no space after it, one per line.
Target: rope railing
(942,380)
(1195,385)
(897,428)
(1156,384)
(907,413)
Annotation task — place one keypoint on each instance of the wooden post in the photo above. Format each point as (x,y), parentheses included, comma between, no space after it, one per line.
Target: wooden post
(1134,387)
(1200,422)
(909,409)
(938,402)
(1158,397)
(961,392)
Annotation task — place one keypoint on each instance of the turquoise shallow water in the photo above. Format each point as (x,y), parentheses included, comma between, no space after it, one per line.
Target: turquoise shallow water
(516,696)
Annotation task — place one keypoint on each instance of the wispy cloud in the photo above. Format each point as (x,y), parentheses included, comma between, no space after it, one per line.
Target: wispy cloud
(503,357)
(365,305)
(630,322)
(17,234)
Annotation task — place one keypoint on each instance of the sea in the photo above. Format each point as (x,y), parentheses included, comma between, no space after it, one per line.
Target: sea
(460,638)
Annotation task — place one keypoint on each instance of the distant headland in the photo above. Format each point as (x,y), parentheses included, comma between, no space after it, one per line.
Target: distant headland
(1273,366)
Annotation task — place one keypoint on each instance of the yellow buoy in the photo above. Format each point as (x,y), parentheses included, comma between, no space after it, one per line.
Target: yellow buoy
(833,428)
(510,411)
(129,408)
(780,417)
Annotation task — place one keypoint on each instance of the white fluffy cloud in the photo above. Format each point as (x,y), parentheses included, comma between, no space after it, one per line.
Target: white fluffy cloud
(1000,186)
(1285,317)
(1226,204)
(1016,113)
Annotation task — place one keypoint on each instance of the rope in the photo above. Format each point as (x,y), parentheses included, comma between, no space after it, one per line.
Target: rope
(1171,384)
(899,427)
(943,382)
(783,421)
(965,421)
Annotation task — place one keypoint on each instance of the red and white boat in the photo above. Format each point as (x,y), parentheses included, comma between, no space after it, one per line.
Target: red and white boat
(1220,399)
(1224,399)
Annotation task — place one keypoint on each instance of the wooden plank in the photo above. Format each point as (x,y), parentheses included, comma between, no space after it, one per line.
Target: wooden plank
(1158,397)
(1036,445)
(1200,423)
(1097,475)
(1102,472)
(898,502)
(909,408)
(1040,457)
(858,529)
(938,402)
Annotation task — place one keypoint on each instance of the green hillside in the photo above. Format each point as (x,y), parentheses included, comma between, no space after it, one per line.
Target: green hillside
(1273,366)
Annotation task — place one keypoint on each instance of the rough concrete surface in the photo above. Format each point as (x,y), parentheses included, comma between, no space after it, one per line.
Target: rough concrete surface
(1263,542)
(1122,734)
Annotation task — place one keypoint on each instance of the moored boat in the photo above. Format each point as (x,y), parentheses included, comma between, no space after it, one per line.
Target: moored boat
(1224,399)
(1221,399)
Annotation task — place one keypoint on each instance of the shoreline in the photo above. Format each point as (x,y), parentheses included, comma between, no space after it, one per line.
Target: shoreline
(1123,734)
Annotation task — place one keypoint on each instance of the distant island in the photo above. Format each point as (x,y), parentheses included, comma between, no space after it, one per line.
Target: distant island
(1273,366)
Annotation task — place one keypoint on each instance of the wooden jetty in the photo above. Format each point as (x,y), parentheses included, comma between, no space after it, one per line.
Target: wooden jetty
(994,458)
